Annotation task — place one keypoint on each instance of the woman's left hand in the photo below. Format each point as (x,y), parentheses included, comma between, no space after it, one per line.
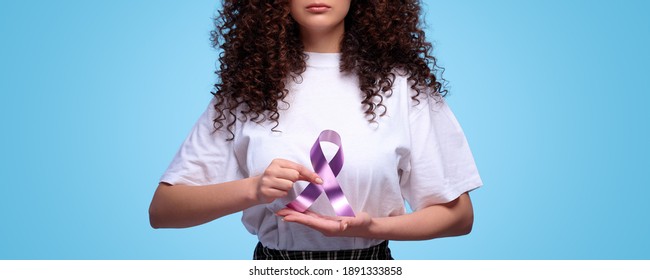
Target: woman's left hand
(330,226)
(439,220)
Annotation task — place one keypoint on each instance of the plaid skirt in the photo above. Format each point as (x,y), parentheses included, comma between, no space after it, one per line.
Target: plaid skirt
(378,252)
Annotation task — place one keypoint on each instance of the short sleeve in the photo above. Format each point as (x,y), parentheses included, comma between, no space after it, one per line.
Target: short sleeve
(205,157)
(441,166)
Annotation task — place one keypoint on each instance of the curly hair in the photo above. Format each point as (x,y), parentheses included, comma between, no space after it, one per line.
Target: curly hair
(261,50)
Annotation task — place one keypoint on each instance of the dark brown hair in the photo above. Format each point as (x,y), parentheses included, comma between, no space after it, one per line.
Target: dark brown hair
(261,49)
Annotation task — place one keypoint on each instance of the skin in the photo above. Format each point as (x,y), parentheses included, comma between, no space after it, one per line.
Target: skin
(320,31)
(177,206)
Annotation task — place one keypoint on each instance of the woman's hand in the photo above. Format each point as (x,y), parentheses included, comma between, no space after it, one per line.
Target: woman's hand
(440,220)
(330,226)
(279,177)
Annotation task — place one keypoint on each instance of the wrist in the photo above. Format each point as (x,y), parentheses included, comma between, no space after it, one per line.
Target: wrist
(382,228)
(374,229)
(252,194)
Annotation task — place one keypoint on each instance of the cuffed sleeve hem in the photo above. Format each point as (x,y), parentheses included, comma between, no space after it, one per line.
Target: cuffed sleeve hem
(451,194)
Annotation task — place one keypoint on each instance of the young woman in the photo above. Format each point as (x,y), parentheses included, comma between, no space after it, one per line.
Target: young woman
(294,71)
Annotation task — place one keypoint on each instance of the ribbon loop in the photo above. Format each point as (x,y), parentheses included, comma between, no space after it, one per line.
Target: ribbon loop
(328,172)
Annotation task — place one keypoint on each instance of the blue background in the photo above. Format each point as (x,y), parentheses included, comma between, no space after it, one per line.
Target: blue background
(96,96)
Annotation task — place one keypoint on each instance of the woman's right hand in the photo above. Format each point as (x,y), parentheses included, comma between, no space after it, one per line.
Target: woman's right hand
(278,178)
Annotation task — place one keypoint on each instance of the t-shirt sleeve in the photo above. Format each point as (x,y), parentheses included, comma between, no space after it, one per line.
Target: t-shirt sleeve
(441,165)
(205,157)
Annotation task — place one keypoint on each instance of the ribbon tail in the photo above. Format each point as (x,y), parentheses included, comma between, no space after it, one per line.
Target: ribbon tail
(339,202)
(306,198)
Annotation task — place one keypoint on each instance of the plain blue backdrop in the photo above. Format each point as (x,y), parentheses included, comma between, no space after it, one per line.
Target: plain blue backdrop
(96,96)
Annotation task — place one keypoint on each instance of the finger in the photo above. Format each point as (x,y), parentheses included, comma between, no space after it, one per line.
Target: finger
(290,215)
(295,173)
(304,173)
(288,174)
(309,176)
(319,216)
(286,211)
(298,217)
(325,226)
(280,184)
(307,215)
(274,193)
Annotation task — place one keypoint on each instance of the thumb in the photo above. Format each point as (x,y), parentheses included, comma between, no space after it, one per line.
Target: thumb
(344,225)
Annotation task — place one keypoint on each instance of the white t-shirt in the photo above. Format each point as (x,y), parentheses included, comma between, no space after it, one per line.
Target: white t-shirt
(417,152)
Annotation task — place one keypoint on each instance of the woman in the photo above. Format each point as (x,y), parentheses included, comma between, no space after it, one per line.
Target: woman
(292,70)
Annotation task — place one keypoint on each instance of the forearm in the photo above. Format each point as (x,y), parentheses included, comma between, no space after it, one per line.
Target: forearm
(450,219)
(181,206)
(185,206)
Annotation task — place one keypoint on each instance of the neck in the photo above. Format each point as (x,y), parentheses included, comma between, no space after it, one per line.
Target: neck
(323,41)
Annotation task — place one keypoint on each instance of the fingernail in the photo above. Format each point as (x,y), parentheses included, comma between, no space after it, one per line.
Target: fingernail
(345,226)
(319,181)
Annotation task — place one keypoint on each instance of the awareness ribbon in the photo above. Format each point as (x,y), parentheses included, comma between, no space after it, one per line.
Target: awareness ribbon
(328,172)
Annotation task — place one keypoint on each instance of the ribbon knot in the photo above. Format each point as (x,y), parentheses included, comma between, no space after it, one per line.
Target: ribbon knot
(328,172)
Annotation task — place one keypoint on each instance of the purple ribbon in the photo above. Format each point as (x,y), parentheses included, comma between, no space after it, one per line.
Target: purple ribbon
(328,172)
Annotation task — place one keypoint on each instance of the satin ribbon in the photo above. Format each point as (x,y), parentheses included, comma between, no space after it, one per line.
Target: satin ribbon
(328,172)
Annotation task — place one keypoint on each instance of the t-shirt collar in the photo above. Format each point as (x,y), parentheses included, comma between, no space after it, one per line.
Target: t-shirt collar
(323,59)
